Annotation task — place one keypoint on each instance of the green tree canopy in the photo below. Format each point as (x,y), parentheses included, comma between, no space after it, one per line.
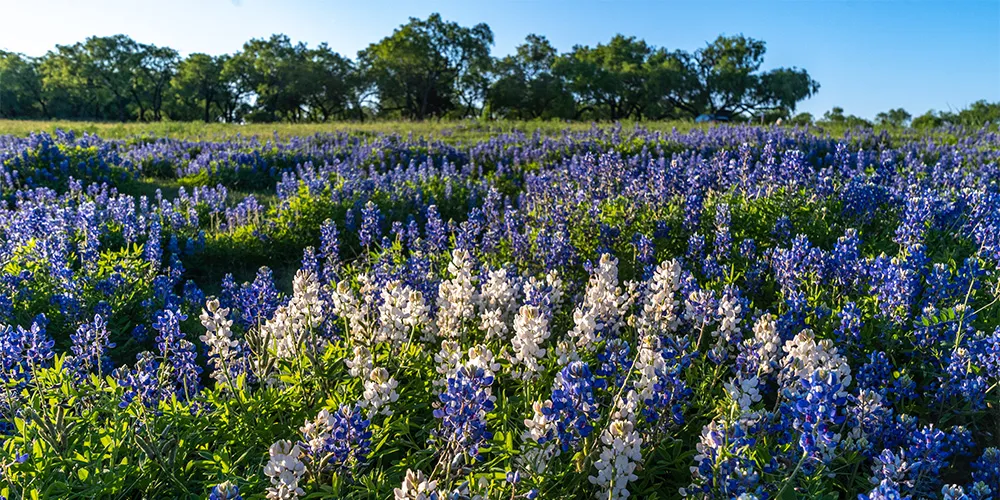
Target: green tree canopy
(524,86)
(427,67)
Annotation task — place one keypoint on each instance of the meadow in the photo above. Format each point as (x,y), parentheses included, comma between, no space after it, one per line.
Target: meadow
(503,310)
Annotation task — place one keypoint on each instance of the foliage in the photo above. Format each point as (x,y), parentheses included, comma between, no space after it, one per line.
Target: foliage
(721,312)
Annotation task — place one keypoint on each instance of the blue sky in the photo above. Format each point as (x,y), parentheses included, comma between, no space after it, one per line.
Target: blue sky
(868,56)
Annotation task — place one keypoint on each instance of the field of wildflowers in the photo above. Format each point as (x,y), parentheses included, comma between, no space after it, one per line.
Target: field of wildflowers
(736,312)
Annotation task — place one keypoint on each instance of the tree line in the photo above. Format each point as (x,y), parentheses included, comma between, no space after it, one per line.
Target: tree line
(426,69)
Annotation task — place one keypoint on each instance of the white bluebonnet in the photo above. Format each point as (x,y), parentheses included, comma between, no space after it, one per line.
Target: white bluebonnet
(456,297)
(482,357)
(603,307)
(446,362)
(218,337)
(743,392)
(620,454)
(416,486)
(401,312)
(729,314)
(767,342)
(531,330)
(360,364)
(660,307)
(379,392)
(649,363)
(804,356)
(285,469)
(293,323)
(497,303)
(358,309)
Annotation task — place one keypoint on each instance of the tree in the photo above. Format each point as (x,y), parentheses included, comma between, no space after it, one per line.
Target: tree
(277,74)
(335,83)
(928,120)
(837,117)
(801,119)
(197,87)
(898,117)
(155,67)
(427,68)
(525,87)
(71,89)
(20,87)
(671,85)
(977,114)
(112,64)
(730,83)
(608,80)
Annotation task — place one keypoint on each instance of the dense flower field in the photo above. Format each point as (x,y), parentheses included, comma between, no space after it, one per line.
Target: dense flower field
(732,313)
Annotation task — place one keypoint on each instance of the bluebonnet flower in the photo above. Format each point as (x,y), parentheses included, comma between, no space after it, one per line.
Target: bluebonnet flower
(669,395)
(153,251)
(723,242)
(692,210)
(782,230)
(848,329)
(986,475)
(463,409)
(338,440)
(568,416)
(954,492)
(141,383)
(371,224)
(614,364)
(225,491)
(178,352)
(37,343)
(434,231)
(818,414)
(255,302)
(23,350)
(89,344)
(915,221)
(723,466)
(961,379)
(644,254)
(329,252)
(886,490)
(895,282)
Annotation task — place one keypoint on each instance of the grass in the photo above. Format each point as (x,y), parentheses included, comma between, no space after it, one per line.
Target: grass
(452,131)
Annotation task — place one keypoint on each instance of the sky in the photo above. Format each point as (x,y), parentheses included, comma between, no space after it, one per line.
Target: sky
(868,56)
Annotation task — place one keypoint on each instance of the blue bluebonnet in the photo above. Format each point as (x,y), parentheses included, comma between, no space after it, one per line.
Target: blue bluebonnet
(141,383)
(818,415)
(434,231)
(463,408)
(848,329)
(23,350)
(338,440)
(644,254)
(153,251)
(573,411)
(371,224)
(178,352)
(724,467)
(89,344)
(665,407)
(329,251)
(986,475)
(614,364)
(225,491)
(886,490)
